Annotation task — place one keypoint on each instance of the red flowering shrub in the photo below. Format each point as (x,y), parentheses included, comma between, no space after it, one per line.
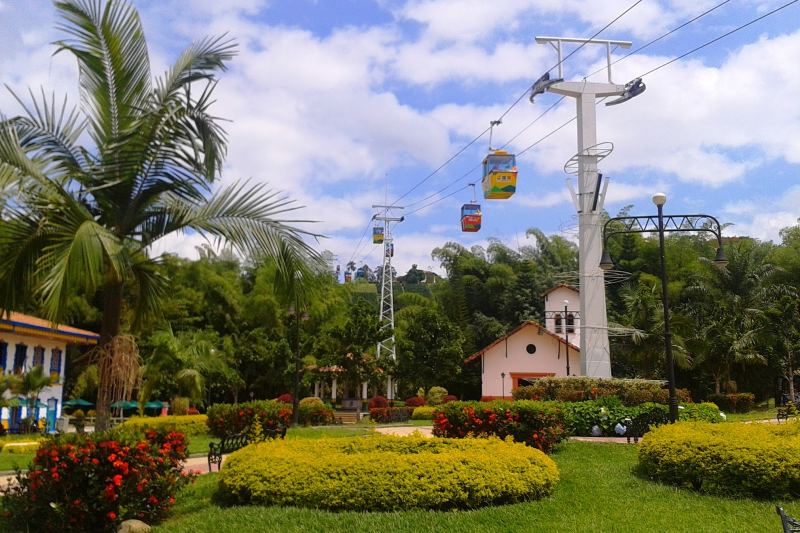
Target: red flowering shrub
(286,398)
(313,412)
(449,398)
(538,424)
(378,402)
(94,482)
(390,414)
(415,401)
(229,419)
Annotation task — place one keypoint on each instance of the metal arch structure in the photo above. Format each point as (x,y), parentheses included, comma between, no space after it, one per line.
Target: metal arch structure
(672,223)
(387,347)
(589,198)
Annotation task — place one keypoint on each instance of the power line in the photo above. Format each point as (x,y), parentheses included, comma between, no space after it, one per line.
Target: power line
(363,234)
(712,41)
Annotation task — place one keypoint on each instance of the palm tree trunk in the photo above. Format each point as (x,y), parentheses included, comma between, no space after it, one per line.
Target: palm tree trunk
(110,328)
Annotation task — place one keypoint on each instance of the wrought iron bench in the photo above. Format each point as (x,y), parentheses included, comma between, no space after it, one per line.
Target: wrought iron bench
(231,443)
(790,525)
(784,413)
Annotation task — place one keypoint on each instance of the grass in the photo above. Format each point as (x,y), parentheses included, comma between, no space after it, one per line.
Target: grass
(598,492)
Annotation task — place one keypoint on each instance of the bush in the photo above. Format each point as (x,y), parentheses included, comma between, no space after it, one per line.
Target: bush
(187,424)
(423,413)
(179,405)
(23,447)
(575,389)
(384,473)
(415,401)
(754,460)
(96,481)
(450,398)
(230,419)
(378,402)
(285,398)
(702,412)
(78,413)
(390,414)
(606,413)
(436,395)
(314,412)
(738,402)
(538,424)
(192,411)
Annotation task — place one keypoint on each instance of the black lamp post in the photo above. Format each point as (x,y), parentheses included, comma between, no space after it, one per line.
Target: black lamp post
(660,225)
(503,381)
(566,333)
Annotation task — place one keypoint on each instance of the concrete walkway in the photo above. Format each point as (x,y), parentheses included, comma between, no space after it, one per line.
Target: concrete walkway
(404,431)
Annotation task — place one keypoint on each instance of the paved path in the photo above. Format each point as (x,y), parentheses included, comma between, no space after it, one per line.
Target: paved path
(404,431)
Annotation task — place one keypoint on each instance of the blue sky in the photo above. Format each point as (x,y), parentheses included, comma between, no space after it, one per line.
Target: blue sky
(342,103)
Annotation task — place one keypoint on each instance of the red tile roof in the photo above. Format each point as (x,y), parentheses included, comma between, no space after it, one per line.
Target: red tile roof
(512,332)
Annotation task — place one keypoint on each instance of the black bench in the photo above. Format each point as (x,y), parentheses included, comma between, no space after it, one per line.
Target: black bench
(231,443)
(790,525)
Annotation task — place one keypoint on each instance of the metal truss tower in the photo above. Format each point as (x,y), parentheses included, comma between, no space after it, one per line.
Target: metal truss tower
(387,347)
(595,356)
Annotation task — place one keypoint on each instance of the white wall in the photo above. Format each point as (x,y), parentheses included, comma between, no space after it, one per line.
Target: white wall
(554,303)
(545,360)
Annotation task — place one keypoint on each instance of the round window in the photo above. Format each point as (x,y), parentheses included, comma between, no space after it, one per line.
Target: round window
(531,349)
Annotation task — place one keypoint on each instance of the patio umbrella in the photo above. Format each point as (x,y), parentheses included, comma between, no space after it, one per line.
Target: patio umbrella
(80,402)
(154,405)
(123,404)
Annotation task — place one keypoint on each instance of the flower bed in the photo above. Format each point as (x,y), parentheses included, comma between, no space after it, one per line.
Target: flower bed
(384,473)
(187,424)
(226,419)
(94,482)
(755,460)
(382,415)
(576,389)
(538,424)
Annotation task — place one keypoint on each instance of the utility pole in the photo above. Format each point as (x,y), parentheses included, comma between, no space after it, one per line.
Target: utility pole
(387,346)
(595,356)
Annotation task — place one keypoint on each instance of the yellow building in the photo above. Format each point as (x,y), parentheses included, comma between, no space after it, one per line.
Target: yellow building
(27,341)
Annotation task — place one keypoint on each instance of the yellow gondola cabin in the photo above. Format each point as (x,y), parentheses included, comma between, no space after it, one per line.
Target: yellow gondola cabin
(377,235)
(499,175)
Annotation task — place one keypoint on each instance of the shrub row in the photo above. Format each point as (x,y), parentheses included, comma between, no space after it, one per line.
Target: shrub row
(187,424)
(229,419)
(94,482)
(382,415)
(538,424)
(737,402)
(384,473)
(755,460)
(577,389)
(423,413)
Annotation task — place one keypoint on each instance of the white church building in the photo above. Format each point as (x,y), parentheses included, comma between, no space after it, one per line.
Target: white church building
(532,350)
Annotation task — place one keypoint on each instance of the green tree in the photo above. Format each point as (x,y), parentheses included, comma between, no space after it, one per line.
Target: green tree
(83,218)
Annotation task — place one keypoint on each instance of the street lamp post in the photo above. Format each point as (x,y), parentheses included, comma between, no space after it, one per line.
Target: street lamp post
(660,225)
(566,333)
(503,381)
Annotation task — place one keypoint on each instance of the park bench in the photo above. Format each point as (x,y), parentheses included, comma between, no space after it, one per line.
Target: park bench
(231,443)
(784,413)
(790,525)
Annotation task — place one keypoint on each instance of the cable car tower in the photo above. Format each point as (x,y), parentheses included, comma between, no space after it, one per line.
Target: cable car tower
(387,346)
(595,355)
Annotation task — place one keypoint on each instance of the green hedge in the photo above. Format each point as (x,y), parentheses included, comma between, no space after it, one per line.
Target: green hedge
(229,419)
(382,415)
(189,425)
(424,412)
(386,473)
(737,402)
(538,424)
(754,460)
(577,389)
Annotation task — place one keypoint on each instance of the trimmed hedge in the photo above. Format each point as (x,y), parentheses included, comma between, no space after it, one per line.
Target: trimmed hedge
(423,413)
(577,389)
(386,473)
(229,419)
(22,447)
(754,460)
(314,412)
(189,425)
(737,402)
(382,415)
(538,424)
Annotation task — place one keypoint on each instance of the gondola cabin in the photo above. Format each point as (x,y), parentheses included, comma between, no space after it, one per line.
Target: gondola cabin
(471,217)
(499,175)
(348,277)
(377,235)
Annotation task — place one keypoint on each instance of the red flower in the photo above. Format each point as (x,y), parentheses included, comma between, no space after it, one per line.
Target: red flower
(153,500)
(118,480)
(112,515)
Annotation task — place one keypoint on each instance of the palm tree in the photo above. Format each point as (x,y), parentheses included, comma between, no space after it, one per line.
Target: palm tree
(82,218)
(30,385)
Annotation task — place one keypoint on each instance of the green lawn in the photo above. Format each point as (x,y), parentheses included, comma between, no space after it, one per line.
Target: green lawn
(598,492)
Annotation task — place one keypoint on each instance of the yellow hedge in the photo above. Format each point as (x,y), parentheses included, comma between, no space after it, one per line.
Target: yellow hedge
(386,473)
(757,460)
(186,424)
(21,447)
(424,412)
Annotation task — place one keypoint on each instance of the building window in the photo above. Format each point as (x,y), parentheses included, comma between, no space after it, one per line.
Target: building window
(38,356)
(55,363)
(20,354)
(570,323)
(3,356)
(558,322)
(531,349)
